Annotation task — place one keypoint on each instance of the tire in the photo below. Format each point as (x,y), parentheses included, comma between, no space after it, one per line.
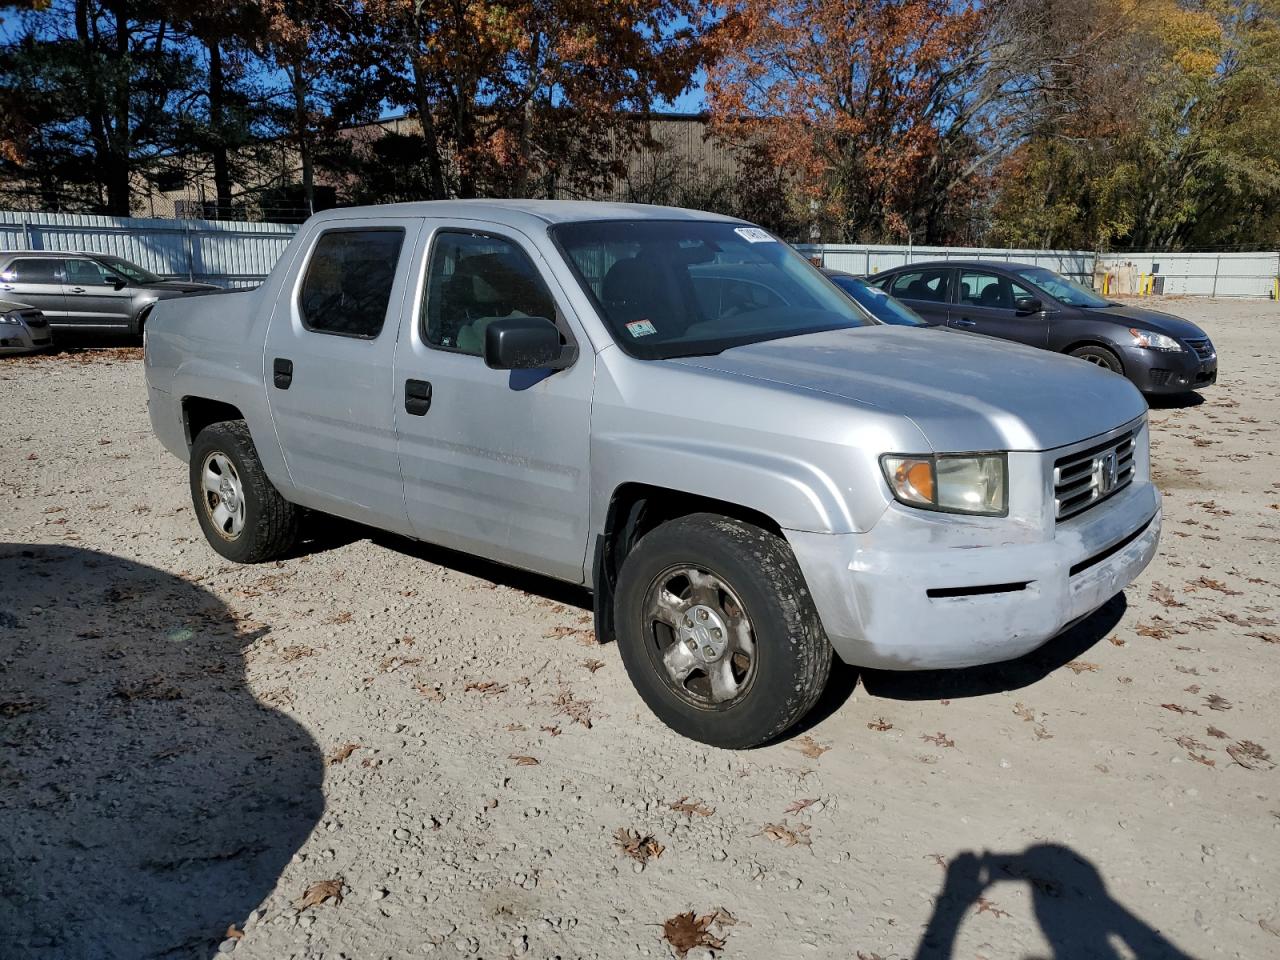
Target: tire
(263,525)
(753,576)
(1101,357)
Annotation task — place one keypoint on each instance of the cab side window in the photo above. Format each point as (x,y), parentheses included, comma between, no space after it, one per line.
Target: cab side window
(347,286)
(927,285)
(87,273)
(31,270)
(981,289)
(474,279)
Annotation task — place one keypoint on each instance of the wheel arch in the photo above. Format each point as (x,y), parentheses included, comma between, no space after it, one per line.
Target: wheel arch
(634,509)
(1101,344)
(201,412)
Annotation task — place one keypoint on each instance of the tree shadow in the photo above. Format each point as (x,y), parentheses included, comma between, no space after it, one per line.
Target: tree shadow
(1077,914)
(148,799)
(999,677)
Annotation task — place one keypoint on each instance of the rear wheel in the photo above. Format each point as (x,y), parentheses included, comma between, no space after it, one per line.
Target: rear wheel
(1100,357)
(242,515)
(718,632)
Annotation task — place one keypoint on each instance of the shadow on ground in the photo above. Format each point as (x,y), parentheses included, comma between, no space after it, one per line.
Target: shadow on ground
(1075,911)
(148,800)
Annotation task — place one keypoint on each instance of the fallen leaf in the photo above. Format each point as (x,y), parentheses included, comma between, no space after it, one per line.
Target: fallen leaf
(1210,584)
(880,724)
(810,747)
(786,835)
(341,753)
(342,616)
(1116,641)
(989,906)
(1176,708)
(938,739)
(296,652)
(318,893)
(1146,630)
(489,688)
(1083,666)
(1200,758)
(684,931)
(593,665)
(1164,596)
(690,807)
(1025,712)
(434,694)
(801,805)
(1250,755)
(516,727)
(1215,702)
(639,847)
(1215,732)
(523,760)
(567,705)
(937,858)
(552,729)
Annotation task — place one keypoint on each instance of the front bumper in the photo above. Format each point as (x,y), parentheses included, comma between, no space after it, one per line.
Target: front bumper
(21,338)
(1157,372)
(901,597)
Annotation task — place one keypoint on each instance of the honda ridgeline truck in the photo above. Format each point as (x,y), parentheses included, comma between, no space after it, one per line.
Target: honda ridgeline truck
(679,412)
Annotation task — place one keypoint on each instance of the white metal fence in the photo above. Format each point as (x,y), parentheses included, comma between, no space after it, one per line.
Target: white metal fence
(1177,274)
(228,253)
(240,254)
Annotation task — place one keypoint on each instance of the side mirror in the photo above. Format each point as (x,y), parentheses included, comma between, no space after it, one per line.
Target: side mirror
(525,343)
(119,283)
(1027,305)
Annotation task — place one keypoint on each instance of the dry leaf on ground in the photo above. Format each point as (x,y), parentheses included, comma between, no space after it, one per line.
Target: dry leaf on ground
(341,753)
(880,724)
(523,760)
(1250,755)
(318,893)
(636,846)
(801,805)
(939,739)
(490,688)
(593,665)
(1215,702)
(684,931)
(810,747)
(1083,666)
(788,836)
(434,694)
(989,906)
(690,807)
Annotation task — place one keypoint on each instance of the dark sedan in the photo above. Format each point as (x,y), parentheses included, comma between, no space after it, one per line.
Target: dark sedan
(1159,352)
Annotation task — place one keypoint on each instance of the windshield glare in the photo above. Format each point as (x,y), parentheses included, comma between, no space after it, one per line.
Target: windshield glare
(130,270)
(678,288)
(1060,288)
(878,303)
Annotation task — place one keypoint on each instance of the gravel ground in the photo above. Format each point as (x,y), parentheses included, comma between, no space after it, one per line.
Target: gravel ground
(380,749)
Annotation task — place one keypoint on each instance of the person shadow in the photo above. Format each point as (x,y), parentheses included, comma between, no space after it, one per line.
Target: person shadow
(148,800)
(1077,914)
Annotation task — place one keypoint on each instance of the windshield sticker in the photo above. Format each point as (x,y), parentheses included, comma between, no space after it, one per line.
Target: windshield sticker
(640,328)
(754,235)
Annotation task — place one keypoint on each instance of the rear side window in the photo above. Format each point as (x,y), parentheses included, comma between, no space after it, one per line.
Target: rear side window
(928,285)
(33,271)
(474,279)
(347,287)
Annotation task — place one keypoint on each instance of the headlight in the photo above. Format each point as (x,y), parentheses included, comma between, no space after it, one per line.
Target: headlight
(1154,341)
(10,318)
(959,483)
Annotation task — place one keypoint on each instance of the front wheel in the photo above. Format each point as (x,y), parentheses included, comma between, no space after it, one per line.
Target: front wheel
(718,633)
(1099,357)
(243,516)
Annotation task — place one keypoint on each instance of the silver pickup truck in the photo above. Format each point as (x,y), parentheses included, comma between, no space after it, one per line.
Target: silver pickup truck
(677,411)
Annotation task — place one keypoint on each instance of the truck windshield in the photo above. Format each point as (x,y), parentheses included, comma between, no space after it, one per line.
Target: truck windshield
(680,288)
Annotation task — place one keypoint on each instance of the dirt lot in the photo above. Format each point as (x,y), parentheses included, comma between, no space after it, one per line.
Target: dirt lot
(378,749)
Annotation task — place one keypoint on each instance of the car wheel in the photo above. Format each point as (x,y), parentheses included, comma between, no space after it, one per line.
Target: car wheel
(1099,357)
(243,516)
(717,631)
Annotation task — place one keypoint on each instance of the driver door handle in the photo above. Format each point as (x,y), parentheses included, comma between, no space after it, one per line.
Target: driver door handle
(282,373)
(965,322)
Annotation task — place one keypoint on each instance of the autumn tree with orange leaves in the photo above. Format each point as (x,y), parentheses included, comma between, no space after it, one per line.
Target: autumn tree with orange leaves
(866,103)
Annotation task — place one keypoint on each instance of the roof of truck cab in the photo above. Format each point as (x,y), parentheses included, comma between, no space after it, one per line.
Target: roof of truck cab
(517,212)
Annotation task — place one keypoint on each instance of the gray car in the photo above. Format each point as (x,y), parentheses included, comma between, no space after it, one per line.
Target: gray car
(88,291)
(23,328)
(751,477)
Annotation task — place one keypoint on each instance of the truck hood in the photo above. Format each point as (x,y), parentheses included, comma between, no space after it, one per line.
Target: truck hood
(963,391)
(1145,319)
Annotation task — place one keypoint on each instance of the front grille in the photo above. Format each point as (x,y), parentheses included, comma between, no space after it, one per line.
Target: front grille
(1201,347)
(1160,377)
(1087,477)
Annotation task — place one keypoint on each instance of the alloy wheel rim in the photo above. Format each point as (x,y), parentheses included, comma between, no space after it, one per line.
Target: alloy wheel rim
(702,640)
(223,495)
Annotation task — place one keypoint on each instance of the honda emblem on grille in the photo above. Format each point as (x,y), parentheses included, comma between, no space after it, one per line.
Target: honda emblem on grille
(1106,472)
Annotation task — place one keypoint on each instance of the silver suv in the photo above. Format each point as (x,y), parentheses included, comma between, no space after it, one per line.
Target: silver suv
(678,411)
(91,291)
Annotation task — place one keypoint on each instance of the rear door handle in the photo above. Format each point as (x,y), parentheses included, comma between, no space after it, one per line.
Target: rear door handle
(417,397)
(965,322)
(77,289)
(282,372)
